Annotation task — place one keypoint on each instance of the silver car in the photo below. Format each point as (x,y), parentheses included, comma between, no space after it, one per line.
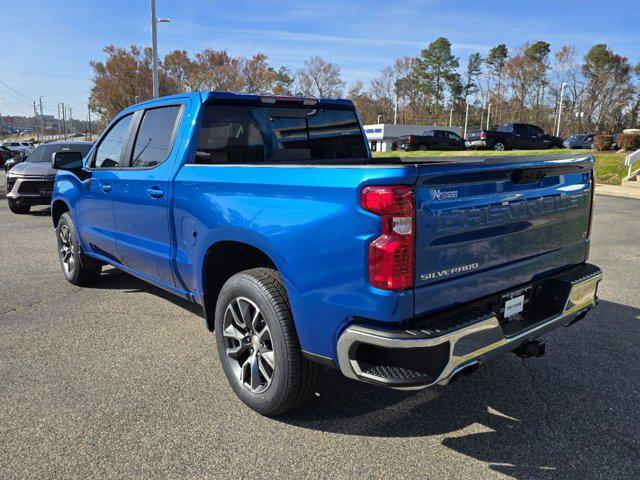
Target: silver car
(31,181)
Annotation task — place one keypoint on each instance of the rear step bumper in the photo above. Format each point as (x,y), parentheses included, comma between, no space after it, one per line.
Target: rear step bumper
(414,358)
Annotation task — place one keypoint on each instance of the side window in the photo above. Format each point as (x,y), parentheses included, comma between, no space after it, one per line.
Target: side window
(154,139)
(108,152)
(520,129)
(453,136)
(536,131)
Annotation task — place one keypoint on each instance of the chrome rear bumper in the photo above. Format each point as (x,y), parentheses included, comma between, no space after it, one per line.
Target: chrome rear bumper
(419,359)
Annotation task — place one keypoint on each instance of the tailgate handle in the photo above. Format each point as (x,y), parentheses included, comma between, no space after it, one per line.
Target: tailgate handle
(527,176)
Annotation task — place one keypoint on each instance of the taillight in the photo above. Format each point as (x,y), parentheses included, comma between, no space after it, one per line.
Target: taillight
(391,255)
(409,139)
(483,136)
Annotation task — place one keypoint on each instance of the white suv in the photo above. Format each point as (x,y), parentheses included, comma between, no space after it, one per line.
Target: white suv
(25,148)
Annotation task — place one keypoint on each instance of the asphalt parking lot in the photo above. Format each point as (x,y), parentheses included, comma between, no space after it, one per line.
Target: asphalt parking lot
(121,380)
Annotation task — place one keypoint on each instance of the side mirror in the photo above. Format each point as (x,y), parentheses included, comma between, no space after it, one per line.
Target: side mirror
(70,161)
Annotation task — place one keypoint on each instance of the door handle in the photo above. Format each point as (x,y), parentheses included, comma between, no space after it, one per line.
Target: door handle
(106,188)
(155,192)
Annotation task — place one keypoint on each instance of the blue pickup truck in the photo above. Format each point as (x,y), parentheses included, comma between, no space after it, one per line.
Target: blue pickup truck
(304,251)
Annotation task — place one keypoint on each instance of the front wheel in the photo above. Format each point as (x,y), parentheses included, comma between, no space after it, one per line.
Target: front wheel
(258,345)
(76,267)
(499,146)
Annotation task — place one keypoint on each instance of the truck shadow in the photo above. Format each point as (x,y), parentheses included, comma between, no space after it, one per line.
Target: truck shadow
(114,279)
(571,414)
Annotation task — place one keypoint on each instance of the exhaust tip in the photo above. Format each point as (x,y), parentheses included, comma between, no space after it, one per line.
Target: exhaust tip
(464,371)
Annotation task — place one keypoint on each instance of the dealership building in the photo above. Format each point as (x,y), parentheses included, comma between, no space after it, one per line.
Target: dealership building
(382,136)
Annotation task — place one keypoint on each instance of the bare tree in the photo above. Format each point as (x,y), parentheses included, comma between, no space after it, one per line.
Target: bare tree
(320,78)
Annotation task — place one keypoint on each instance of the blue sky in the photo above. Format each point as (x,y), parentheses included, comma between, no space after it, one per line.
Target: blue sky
(47,44)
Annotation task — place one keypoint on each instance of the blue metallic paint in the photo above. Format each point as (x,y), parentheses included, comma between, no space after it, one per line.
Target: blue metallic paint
(307,219)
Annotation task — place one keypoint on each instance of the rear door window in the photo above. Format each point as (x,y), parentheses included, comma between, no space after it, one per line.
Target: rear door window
(155,137)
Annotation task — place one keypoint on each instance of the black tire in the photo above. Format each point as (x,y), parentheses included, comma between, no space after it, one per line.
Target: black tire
(499,146)
(76,267)
(423,147)
(293,376)
(19,209)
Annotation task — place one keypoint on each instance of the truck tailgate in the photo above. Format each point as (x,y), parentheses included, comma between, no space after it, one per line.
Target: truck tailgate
(488,226)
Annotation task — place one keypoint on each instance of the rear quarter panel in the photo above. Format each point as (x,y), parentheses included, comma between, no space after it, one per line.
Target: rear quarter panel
(308,221)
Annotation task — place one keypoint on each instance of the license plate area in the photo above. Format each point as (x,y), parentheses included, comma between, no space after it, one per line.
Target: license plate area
(514,308)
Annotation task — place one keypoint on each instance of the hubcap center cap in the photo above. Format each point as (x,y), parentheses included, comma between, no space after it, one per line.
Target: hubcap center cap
(255,342)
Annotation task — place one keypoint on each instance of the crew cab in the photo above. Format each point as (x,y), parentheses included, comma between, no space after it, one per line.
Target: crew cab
(521,136)
(303,250)
(432,140)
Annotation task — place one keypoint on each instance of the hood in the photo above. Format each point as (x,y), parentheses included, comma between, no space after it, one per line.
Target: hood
(31,168)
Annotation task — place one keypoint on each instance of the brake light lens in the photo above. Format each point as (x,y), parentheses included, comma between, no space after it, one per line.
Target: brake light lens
(392,254)
(409,139)
(483,136)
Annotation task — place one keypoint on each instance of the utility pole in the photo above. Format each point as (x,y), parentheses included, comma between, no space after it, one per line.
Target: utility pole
(70,121)
(43,123)
(564,84)
(35,117)
(395,110)
(466,119)
(64,121)
(488,115)
(89,111)
(154,46)
(59,124)
(451,117)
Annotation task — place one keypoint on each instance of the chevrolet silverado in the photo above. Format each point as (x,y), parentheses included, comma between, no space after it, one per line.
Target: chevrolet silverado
(304,251)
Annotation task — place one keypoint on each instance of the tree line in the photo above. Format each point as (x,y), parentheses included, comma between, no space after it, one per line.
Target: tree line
(601,93)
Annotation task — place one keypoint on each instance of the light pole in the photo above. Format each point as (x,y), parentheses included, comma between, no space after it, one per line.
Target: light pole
(488,115)
(379,119)
(154,46)
(560,108)
(466,118)
(451,117)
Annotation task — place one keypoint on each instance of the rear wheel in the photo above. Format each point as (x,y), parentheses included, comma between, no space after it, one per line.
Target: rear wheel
(19,209)
(422,147)
(76,267)
(258,345)
(499,146)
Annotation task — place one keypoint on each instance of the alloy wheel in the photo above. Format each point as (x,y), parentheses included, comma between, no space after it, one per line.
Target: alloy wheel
(66,250)
(248,343)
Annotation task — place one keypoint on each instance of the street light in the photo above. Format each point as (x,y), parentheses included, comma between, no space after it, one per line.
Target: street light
(564,84)
(154,46)
(488,115)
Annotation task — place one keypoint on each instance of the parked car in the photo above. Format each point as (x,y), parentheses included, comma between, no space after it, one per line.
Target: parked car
(9,164)
(432,140)
(513,135)
(24,148)
(580,140)
(302,250)
(6,154)
(30,182)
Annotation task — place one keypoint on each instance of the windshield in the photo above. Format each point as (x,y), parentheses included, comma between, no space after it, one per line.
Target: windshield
(263,134)
(43,153)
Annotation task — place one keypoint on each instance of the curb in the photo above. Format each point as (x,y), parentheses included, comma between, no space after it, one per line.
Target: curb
(618,191)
